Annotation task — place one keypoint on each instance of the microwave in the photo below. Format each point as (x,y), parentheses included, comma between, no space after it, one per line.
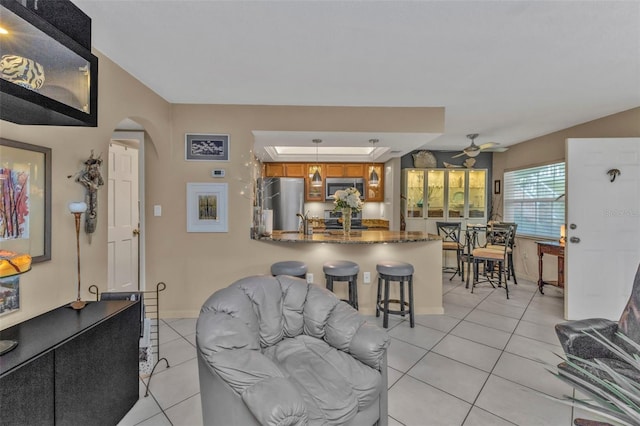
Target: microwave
(337,184)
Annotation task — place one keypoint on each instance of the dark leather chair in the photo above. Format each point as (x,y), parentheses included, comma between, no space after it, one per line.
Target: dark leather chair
(575,342)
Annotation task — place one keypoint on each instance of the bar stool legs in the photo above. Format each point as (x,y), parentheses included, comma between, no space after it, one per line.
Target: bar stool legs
(343,270)
(400,272)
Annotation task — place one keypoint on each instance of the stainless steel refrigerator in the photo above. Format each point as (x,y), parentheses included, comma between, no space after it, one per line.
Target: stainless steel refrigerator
(285,196)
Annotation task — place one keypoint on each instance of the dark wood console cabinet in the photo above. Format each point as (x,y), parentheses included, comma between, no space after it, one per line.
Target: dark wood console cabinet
(72,367)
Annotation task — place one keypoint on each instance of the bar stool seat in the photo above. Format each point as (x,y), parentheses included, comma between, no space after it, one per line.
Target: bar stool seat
(289,267)
(343,270)
(388,271)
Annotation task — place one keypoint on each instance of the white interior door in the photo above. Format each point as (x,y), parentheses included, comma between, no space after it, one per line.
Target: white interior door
(603,226)
(123,232)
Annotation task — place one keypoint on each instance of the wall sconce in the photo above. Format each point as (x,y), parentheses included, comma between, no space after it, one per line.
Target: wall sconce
(77,208)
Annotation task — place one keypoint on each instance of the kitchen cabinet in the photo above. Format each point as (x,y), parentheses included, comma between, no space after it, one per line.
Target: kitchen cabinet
(284,170)
(48,75)
(375,192)
(448,195)
(354,170)
(313,193)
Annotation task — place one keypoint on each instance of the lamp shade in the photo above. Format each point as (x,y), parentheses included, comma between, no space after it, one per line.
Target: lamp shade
(77,207)
(316,180)
(374,179)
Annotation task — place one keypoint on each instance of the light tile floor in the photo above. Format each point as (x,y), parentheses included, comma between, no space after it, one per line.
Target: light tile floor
(478,364)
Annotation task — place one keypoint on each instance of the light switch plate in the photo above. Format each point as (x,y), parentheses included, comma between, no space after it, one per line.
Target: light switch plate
(309,277)
(157,210)
(366,276)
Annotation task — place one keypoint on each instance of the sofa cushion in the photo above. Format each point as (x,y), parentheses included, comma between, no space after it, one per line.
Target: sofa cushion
(294,295)
(333,384)
(266,296)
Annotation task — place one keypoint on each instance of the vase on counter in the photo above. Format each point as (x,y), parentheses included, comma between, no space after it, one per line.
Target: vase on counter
(346,220)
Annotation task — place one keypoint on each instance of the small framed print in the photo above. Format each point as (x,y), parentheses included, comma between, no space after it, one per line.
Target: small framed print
(496,186)
(206,147)
(207,207)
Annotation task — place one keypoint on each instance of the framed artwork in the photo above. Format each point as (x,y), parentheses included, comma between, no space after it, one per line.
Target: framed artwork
(207,207)
(206,147)
(496,186)
(25,205)
(10,288)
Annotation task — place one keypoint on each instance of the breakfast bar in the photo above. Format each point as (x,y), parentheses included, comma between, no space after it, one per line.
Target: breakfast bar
(366,248)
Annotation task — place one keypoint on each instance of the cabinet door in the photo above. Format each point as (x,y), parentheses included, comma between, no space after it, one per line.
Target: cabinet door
(294,169)
(334,169)
(274,170)
(477,194)
(355,170)
(313,193)
(375,191)
(414,193)
(435,194)
(456,199)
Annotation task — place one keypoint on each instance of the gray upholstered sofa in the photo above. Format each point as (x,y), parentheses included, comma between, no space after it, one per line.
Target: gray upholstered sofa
(279,351)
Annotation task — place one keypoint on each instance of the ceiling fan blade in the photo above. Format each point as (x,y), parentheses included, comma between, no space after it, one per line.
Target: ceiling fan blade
(497,149)
(459,155)
(488,145)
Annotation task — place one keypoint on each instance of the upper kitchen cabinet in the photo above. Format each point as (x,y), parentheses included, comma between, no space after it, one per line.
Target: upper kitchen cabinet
(313,192)
(48,75)
(354,170)
(284,169)
(432,195)
(375,190)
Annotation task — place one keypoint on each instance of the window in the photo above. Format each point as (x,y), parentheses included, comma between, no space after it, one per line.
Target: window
(534,199)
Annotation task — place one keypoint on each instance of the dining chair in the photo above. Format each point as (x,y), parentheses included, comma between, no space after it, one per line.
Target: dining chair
(511,272)
(490,258)
(450,233)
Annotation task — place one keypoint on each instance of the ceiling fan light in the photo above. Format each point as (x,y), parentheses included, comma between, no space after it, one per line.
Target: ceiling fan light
(474,153)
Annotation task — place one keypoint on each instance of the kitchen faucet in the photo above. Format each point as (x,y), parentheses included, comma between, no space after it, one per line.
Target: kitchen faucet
(306,229)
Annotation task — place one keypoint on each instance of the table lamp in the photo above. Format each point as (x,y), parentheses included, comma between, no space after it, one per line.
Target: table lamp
(11,265)
(77,208)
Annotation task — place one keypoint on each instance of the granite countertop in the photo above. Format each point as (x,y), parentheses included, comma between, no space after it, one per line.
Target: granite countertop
(355,237)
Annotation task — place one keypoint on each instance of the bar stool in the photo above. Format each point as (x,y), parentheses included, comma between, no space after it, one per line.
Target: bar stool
(343,270)
(289,267)
(401,272)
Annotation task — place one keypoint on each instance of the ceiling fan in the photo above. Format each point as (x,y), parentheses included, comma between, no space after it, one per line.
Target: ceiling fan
(473,150)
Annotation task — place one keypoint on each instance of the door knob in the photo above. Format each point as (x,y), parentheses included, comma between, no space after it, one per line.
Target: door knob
(136,232)
(575,240)
(573,226)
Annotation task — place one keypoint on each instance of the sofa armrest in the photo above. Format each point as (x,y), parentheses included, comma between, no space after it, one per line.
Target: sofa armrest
(276,401)
(575,342)
(369,345)
(270,397)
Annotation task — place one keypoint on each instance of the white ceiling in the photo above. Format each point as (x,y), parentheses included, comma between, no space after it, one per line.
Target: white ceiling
(508,70)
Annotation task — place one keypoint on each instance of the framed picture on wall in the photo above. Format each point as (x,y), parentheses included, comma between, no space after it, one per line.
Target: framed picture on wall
(206,147)
(207,205)
(25,199)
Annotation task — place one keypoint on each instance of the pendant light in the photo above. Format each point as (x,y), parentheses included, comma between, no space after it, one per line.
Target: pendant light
(316,180)
(374,179)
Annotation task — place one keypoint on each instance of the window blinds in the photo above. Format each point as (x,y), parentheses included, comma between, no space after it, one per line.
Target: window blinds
(534,199)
